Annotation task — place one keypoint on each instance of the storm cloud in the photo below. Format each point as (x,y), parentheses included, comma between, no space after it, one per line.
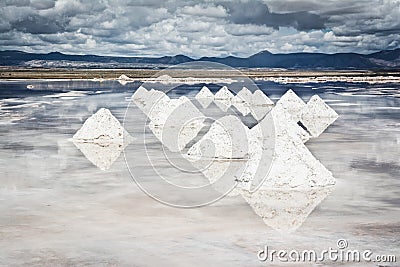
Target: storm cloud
(199,28)
(258,13)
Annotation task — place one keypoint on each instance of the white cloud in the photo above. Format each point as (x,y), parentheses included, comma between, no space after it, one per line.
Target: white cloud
(204,10)
(195,28)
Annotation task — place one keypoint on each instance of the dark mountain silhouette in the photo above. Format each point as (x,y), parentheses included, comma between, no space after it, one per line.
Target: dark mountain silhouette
(387,59)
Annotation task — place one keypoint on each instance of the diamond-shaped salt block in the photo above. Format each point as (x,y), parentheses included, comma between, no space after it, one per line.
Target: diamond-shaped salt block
(292,104)
(101,127)
(204,97)
(294,166)
(124,80)
(101,139)
(260,105)
(171,120)
(285,125)
(156,103)
(227,135)
(317,116)
(276,136)
(222,153)
(179,123)
(223,98)
(257,103)
(242,101)
(140,96)
(261,140)
(223,140)
(153,103)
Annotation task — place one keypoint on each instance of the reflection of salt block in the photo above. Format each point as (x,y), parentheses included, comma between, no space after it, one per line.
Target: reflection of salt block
(260,105)
(242,101)
(285,210)
(101,139)
(223,98)
(292,104)
(317,116)
(101,155)
(204,97)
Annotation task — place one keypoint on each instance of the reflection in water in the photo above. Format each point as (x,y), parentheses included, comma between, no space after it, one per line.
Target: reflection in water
(286,210)
(51,195)
(101,155)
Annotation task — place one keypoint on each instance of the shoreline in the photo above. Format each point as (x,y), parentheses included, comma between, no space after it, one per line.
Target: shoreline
(90,74)
(125,76)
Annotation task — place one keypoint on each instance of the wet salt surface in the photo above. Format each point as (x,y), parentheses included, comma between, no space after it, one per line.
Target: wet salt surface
(57,208)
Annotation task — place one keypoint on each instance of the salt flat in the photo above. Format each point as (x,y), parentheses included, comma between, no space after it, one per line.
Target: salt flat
(57,208)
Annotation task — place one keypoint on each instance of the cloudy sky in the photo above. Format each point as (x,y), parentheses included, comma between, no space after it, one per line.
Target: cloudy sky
(199,28)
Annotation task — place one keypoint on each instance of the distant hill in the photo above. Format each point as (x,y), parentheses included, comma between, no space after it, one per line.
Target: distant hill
(387,59)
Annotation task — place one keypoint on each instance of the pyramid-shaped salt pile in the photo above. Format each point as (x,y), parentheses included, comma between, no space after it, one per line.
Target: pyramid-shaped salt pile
(102,138)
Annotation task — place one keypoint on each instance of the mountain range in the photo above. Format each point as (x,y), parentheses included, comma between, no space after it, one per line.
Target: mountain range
(386,59)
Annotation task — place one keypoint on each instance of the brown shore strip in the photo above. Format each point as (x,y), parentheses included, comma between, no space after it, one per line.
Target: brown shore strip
(58,73)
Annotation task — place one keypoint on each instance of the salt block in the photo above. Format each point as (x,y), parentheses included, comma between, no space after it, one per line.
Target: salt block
(140,95)
(181,122)
(102,139)
(204,97)
(155,105)
(260,105)
(261,140)
(123,79)
(221,154)
(317,116)
(293,165)
(227,135)
(175,122)
(162,110)
(223,98)
(293,104)
(285,125)
(242,101)
(101,127)
(278,157)
(143,98)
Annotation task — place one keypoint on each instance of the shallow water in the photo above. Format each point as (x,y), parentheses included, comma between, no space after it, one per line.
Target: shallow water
(57,208)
